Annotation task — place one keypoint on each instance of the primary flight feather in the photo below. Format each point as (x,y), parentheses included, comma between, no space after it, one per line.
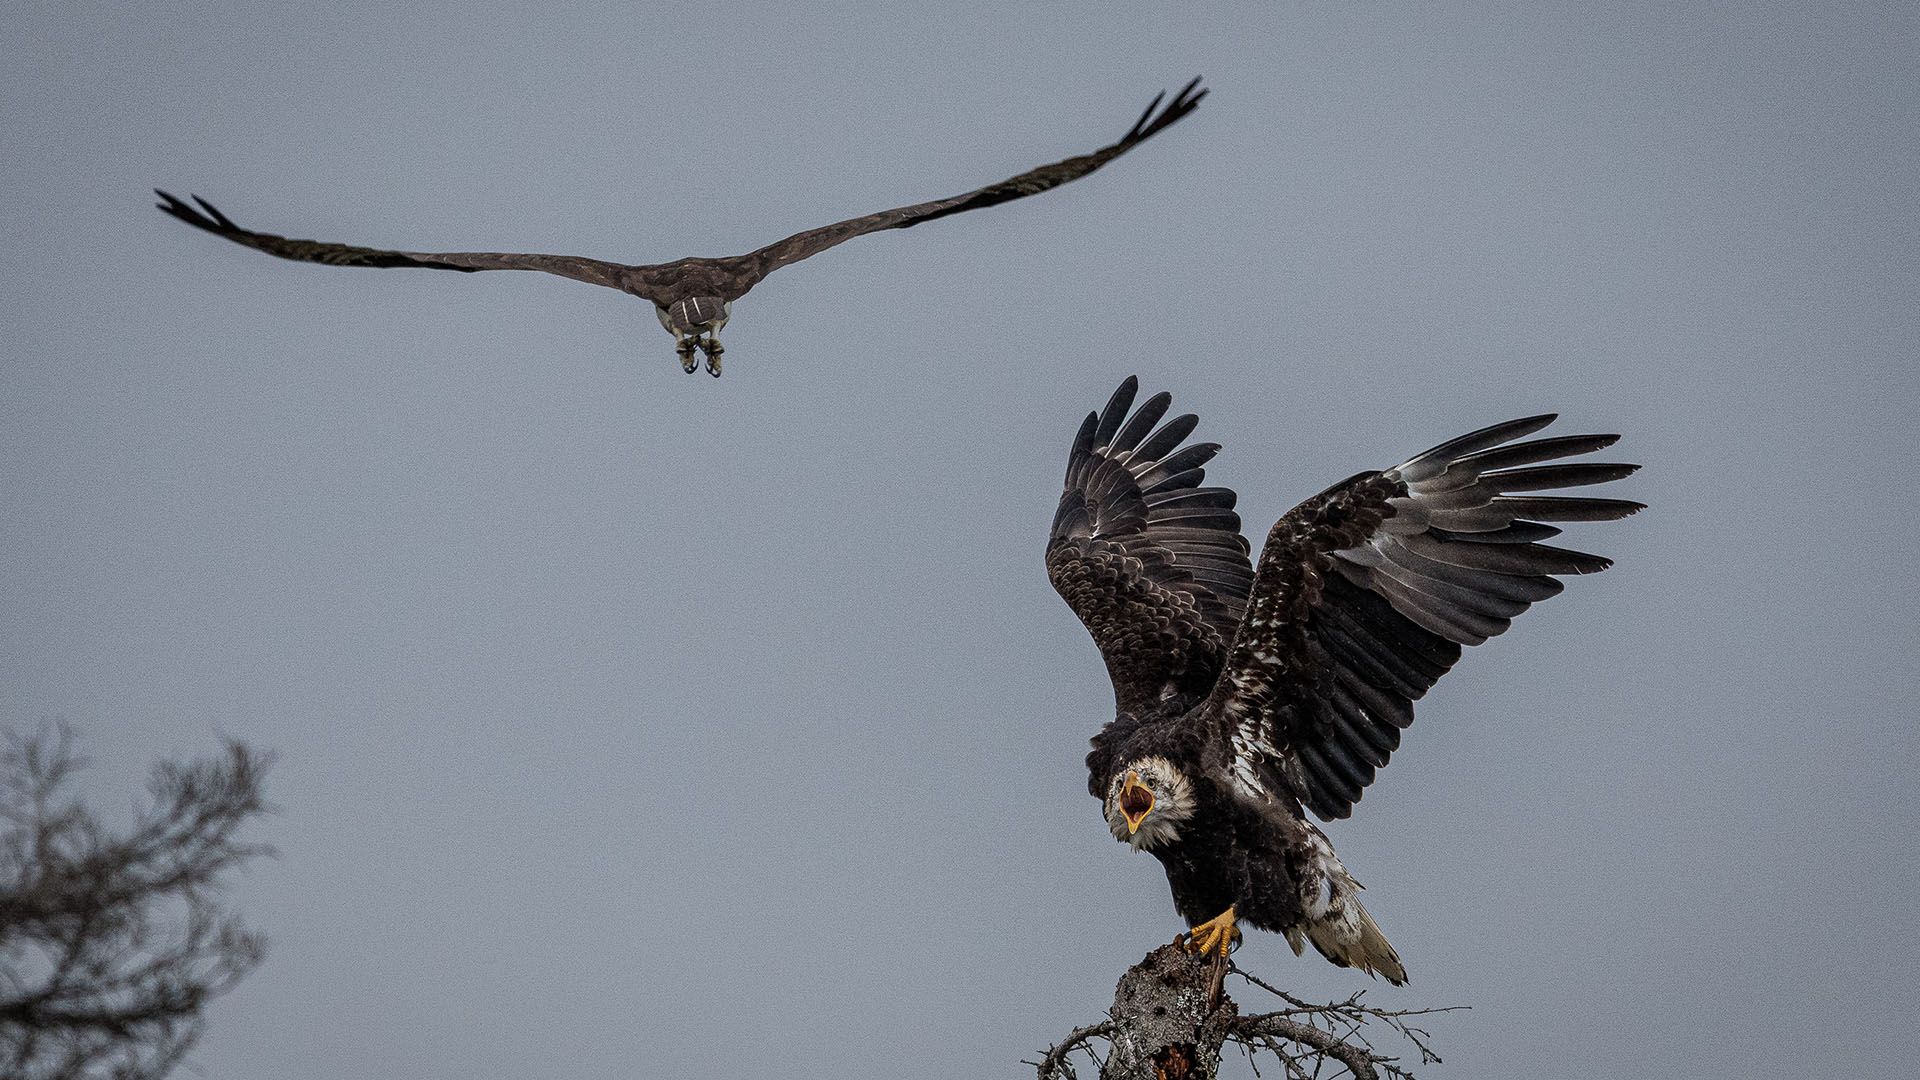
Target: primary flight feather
(693,298)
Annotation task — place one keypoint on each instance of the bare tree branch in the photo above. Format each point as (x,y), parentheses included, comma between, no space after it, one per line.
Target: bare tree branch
(1267,1032)
(1055,1062)
(112,943)
(1345,1021)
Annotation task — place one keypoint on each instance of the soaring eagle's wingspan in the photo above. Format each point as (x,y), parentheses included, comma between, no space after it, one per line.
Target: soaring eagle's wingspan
(592,271)
(1153,563)
(758,264)
(1366,592)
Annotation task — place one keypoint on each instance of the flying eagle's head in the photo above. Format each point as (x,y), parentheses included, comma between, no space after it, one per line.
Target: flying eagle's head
(1147,801)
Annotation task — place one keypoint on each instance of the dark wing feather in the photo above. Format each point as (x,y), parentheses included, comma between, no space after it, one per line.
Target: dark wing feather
(758,264)
(205,216)
(1366,593)
(1153,563)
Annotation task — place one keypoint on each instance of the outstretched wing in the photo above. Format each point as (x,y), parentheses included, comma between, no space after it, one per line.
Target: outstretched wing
(592,271)
(1366,592)
(758,264)
(1153,563)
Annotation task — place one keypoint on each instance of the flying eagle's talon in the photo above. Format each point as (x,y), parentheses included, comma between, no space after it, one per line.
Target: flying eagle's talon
(713,349)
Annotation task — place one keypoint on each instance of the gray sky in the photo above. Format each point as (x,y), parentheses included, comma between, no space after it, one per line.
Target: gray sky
(633,722)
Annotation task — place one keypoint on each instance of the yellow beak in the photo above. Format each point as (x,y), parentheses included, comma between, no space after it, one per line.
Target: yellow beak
(1135,802)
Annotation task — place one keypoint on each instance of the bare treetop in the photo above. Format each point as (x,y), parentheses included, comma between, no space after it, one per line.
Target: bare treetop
(1171,1020)
(112,942)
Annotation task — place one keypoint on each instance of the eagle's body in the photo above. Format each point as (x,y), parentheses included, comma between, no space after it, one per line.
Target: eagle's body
(1245,699)
(693,297)
(1230,853)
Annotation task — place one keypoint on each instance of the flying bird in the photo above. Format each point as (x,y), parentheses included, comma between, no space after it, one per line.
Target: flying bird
(1247,697)
(694,297)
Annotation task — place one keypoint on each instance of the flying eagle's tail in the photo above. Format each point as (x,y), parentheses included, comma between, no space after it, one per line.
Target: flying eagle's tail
(1349,937)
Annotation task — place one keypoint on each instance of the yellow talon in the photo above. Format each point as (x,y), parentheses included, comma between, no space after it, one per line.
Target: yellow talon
(1217,934)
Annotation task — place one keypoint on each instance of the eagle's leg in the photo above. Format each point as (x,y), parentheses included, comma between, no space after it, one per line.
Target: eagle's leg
(713,350)
(685,348)
(1216,935)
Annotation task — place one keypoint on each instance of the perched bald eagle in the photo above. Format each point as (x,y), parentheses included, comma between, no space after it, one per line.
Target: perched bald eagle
(1246,698)
(693,298)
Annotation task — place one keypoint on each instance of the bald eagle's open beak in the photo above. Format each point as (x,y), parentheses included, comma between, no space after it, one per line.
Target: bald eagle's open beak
(1135,802)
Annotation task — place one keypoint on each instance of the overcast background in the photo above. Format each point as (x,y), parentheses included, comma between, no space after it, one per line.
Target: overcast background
(639,724)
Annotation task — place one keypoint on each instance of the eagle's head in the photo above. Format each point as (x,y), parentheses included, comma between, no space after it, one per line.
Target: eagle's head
(1147,801)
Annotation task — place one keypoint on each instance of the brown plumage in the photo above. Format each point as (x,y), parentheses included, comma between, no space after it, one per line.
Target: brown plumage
(1246,696)
(693,297)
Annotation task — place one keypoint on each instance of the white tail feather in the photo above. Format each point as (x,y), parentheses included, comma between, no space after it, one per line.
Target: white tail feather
(1348,936)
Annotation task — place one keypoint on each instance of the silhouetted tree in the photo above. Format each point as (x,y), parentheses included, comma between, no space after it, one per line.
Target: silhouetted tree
(112,941)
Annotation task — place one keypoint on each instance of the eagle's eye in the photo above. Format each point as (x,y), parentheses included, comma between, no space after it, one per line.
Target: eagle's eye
(1135,801)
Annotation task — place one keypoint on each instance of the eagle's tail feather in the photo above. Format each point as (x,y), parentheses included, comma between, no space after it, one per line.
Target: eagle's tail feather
(1349,937)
